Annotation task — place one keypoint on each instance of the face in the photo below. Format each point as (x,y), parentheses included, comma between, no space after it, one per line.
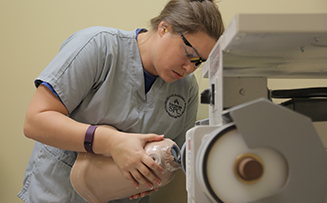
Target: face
(178,55)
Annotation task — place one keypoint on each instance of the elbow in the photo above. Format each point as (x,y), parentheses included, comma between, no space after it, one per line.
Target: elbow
(31,124)
(28,129)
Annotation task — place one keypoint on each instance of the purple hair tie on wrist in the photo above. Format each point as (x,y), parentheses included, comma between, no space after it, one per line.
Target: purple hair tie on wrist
(88,141)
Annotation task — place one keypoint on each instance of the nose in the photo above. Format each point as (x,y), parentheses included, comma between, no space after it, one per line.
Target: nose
(189,67)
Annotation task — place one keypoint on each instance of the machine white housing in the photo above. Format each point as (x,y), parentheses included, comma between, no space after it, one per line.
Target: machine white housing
(253,48)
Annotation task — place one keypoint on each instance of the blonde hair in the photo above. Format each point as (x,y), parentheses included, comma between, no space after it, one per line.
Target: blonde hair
(191,16)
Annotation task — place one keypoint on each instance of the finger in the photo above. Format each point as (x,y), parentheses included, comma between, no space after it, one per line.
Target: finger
(146,193)
(151,164)
(149,175)
(131,179)
(136,196)
(152,137)
(142,179)
(143,194)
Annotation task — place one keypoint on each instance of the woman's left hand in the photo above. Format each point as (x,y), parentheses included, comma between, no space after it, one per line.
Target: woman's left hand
(127,151)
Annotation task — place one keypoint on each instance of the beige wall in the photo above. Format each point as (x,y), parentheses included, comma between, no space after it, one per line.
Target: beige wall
(31,33)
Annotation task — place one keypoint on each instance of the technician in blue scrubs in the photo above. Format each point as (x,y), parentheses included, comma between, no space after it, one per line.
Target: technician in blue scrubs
(133,86)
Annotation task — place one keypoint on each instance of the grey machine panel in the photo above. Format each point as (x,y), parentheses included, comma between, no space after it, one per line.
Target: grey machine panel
(264,124)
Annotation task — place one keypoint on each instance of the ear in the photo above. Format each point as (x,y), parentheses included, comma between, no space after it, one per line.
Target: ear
(163,28)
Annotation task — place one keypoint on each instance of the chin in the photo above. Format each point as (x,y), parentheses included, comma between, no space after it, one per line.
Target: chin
(169,80)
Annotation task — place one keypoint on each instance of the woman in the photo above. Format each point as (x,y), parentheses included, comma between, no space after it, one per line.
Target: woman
(110,91)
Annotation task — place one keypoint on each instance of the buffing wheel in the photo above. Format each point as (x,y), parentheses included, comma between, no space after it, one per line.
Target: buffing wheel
(228,169)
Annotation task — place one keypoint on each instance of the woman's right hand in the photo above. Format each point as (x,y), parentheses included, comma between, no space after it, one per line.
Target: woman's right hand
(143,194)
(127,150)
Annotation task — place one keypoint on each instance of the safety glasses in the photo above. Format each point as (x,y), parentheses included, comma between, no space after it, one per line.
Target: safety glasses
(197,60)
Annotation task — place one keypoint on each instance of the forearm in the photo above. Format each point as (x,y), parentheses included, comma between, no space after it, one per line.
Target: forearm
(55,129)
(46,122)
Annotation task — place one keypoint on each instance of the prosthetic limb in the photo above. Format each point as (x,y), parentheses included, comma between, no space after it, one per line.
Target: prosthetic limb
(97,179)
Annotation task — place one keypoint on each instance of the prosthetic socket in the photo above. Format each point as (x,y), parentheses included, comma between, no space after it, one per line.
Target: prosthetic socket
(97,179)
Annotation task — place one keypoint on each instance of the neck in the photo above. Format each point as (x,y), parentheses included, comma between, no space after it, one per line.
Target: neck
(146,42)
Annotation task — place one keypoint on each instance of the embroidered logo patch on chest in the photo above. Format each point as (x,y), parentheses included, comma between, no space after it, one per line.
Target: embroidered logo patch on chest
(175,105)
